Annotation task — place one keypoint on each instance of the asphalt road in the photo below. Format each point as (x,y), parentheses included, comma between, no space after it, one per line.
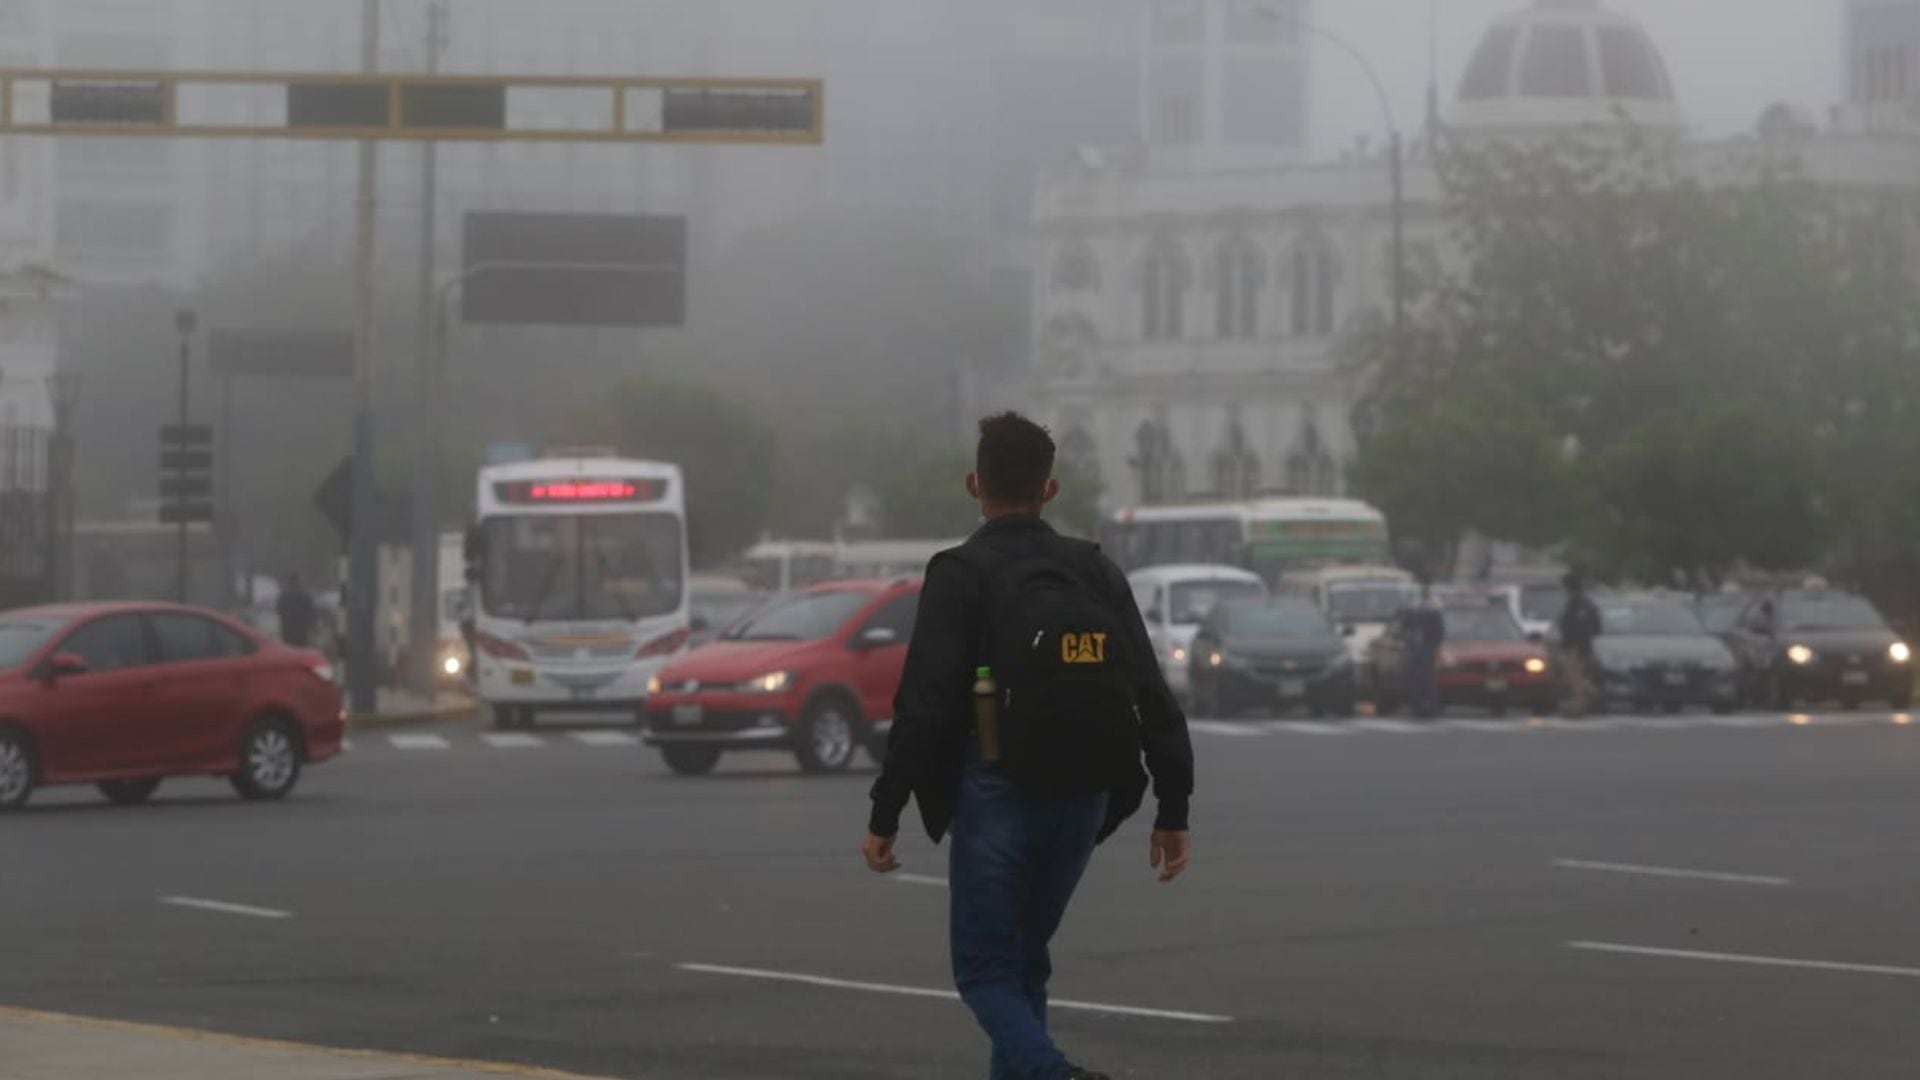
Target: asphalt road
(1483,901)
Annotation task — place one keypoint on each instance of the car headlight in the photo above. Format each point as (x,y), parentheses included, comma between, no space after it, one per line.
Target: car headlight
(451,664)
(1800,654)
(770,683)
(1536,666)
(653,686)
(1216,659)
(1899,652)
(1179,655)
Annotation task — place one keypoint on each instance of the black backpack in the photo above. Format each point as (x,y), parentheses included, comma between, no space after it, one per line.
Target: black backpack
(1069,721)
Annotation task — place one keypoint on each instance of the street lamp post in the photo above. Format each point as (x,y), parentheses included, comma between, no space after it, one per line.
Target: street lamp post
(1396,154)
(63,390)
(184,322)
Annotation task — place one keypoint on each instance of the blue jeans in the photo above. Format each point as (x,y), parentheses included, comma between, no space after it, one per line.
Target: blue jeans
(1014,863)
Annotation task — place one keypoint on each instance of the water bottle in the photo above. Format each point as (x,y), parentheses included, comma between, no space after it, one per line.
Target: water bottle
(986,714)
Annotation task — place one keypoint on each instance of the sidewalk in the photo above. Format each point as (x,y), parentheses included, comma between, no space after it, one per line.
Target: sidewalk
(48,1046)
(394,707)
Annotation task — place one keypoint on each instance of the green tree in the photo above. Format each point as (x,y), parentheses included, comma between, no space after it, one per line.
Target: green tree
(727,450)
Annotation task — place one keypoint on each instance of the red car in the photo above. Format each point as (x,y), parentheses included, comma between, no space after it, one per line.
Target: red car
(1486,662)
(813,672)
(124,695)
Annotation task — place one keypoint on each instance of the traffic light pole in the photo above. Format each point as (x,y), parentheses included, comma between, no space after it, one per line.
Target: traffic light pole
(184,322)
(363,574)
(424,636)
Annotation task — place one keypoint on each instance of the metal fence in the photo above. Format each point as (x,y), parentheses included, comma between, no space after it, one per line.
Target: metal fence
(25,574)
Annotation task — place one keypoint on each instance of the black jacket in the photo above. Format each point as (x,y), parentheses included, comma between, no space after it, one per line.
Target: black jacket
(933,713)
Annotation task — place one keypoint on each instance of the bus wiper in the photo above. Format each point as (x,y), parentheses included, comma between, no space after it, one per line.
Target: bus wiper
(541,593)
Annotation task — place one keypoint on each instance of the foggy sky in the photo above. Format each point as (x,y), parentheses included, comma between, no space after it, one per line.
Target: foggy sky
(1730,58)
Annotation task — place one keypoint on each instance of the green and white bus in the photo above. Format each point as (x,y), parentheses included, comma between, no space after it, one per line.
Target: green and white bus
(1270,537)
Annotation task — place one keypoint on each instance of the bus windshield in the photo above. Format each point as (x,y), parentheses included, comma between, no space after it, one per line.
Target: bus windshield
(553,568)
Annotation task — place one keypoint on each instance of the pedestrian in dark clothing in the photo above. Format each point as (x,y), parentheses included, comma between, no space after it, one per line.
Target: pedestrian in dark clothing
(1018,850)
(1426,632)
(1579,627)
(297,613)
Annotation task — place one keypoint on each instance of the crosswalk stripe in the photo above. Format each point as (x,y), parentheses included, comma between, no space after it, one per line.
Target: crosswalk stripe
(1307,727)
(1390,727)
(418,742)
(1222,727)
(604,738)
(1496,726)
(512,740)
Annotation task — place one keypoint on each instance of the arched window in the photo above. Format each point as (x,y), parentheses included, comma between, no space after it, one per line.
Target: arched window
(1076,269)
(1161,470)
(1310,468)
(1239,275)
(1236,468)
(1066,343)
(1315,288)
(1165,275)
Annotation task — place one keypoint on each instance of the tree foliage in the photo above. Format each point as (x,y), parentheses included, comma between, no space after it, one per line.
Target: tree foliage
(1669,370)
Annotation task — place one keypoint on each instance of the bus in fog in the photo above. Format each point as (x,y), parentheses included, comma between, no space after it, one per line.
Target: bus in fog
(1267,536)
(579,571)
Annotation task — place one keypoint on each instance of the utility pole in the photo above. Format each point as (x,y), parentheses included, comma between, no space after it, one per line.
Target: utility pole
(363,582)
(184,321)
(424,633)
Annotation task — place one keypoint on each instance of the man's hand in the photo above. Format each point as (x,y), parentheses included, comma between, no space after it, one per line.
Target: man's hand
(879,853)
(1167,852)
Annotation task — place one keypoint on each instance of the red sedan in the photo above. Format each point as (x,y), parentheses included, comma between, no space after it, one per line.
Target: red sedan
(125,695)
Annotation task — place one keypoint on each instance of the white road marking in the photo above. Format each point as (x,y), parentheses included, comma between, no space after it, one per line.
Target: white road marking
(1307,727)
(944,995)
(418,742)
(1743,721)
(1671,872)
(512,740)
(226,908)
(1389,727)
(1223,727)
(1501,727)
(1742,958)
(604,738)
(919,879)
(346,745)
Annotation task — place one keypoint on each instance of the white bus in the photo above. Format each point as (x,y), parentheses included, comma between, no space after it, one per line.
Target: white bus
(888,558)
(1267,536)
(580,578)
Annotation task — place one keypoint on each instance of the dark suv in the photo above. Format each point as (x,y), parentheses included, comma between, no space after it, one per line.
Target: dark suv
(1817,645)
(1274,653)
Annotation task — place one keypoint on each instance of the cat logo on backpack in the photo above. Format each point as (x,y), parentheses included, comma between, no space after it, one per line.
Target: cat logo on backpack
(1083,648)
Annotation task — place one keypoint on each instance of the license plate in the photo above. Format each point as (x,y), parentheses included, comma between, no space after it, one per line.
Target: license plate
(1854,678)
(1676,678)
(1292,688)
(688,713)
(1496,686)
(522,677)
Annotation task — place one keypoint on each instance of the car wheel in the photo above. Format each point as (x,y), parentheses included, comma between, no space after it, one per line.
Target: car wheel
(130,792)
(827,737)
(690,760)
(1902,702)
(269,762)
(505,717)
(16,770)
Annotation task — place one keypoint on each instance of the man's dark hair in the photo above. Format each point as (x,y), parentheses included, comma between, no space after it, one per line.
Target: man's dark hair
(1014,461)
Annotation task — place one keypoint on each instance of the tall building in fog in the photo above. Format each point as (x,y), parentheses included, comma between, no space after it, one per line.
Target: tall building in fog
(1883,61)
(1226,81)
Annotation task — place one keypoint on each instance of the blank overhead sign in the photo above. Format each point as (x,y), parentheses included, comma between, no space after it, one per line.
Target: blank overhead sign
(575,270)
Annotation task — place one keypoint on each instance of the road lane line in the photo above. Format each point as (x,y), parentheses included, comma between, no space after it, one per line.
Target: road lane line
(1390,727)
(1742,958)
(1307,727)
(1223,727)
(944,995)
(1497,727)
(512,740)
(604,738)
(919,879)
(225,908)
(1671,872)
(418,742)
(1739,721)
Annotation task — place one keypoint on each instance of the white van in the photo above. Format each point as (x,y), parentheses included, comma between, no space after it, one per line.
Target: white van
(1176,599)
(1360,600)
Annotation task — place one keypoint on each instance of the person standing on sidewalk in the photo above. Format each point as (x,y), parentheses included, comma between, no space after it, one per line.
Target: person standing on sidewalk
(1029,698)
(1579,628)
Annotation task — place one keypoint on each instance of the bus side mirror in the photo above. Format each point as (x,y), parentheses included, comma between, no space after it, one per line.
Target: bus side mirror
(474,549)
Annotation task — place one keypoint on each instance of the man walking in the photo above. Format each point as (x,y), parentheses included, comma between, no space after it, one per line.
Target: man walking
(1579,628)
(1029,697)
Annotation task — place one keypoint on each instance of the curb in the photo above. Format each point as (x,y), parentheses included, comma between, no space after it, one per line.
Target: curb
(450,711)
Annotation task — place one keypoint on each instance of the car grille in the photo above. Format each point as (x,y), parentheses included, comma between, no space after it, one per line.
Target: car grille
(1289,669)
(1492,667)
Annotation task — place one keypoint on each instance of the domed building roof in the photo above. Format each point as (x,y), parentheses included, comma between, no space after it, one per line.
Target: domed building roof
(1566,63)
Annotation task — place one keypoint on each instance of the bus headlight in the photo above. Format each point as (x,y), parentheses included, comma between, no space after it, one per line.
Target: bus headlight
(451,664)
(1899,652)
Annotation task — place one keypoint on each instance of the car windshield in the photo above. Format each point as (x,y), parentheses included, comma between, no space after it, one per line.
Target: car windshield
(1368,601)
(1829,613)
(590,567)
(21,638)
(720,610)
(801,617)
(1542,603)
(1721,613)
(1488,624)
(1193,601)
(1649,618)
(1282,619)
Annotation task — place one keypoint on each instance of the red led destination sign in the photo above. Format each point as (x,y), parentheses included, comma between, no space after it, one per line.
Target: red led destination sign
(549,492)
